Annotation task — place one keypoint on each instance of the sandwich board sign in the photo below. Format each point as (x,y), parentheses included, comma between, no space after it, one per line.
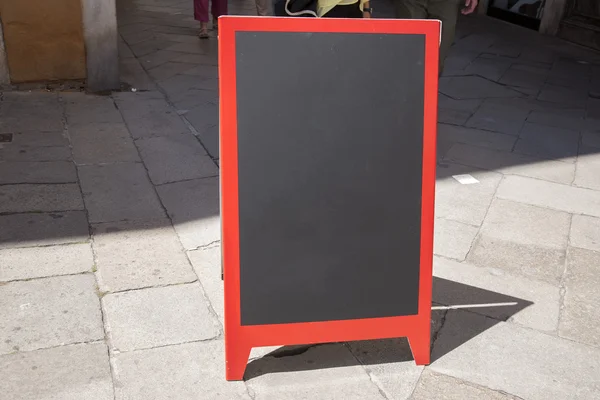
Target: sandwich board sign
(327,157)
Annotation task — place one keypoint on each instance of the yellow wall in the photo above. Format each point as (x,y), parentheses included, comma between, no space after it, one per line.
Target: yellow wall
(43,39)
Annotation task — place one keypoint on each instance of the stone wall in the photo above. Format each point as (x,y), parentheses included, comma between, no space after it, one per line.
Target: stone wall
(43,40)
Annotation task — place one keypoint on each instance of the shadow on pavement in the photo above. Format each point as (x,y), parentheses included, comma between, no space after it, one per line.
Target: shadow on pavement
(447,294)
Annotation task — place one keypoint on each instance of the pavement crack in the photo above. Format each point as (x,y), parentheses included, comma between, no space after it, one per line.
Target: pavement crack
(210,245)
(563,278)
(115,350)
(437,333)
(412,393)
(36,278)
(249,390)
(372,377)
(159,286)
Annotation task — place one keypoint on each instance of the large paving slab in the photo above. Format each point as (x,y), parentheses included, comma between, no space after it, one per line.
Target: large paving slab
(453,239)
(587,175)
(17,152)
(516,360)
(512,163)
(75,372)
(147,318)
(38,262)
(41,97)
(193,206)
(186,100)
(209,137)
(42,229)
(192,48)
(464,203)
(523,79)
(583,275)
(117,192)
(49,312)
(207,265)
(523,239)
(31,116)
(204,71)
(205,119)
(132,73)
(551,195)
(158,58)
(489,68)
(580,321)
(593,106)
(102,143)
(478,42)
(474,87)
(438,386)
(499,118)
(576,97)
(548,142)
(458,61)
(496,294)
(453,117)
(137,96)
(133,255)
(37,139)
(180,84)
(591,138)
(329,370)
(149,47)
(568,118)
(203,59)
(150,117)
(534,105)
(40,198)
(169,69)
(175,158)
(181,372)
(82,108)
(585,232)
(390,365)
(37,172)
(476,137)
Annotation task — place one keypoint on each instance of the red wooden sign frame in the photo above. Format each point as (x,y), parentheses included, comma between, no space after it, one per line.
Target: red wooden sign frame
(239,340)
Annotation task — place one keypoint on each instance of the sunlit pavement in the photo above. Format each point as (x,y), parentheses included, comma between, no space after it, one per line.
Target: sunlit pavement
(109,232)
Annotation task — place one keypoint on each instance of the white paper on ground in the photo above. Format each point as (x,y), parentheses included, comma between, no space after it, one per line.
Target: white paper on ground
(465,179)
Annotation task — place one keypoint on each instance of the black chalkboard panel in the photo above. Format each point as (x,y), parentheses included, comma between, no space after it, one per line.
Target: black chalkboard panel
(329,169)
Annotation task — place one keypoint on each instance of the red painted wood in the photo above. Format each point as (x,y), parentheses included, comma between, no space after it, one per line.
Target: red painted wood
(239,339)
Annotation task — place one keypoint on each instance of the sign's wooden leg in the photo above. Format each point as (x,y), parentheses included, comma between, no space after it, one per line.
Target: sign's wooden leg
(420,343)
(236,359)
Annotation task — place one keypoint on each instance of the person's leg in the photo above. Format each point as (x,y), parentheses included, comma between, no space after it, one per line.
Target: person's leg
(218,8)
(279,8)
(201,14)
(410,9)
(447,12)
(201,10)
(262,7)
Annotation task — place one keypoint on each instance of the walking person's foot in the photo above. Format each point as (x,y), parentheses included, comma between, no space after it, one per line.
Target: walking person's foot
(203,30)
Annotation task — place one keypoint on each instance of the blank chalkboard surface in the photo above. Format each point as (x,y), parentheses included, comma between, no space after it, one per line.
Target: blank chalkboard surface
(330,154)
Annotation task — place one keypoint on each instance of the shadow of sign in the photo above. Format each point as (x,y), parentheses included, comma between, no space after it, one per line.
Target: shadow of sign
(447,296)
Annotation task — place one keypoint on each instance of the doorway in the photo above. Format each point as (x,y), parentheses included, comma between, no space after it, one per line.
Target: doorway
(581,23)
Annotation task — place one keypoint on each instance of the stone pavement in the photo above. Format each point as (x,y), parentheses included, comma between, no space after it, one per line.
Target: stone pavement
(109,233)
